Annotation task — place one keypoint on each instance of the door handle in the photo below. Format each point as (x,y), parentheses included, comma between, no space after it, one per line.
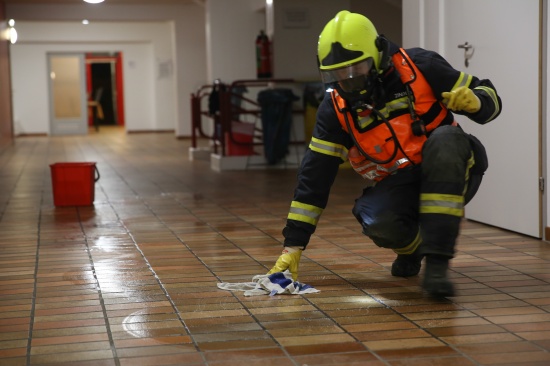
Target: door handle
(468,52)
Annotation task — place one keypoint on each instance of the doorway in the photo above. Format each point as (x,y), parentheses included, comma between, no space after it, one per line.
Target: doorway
(67,97)
(104,89)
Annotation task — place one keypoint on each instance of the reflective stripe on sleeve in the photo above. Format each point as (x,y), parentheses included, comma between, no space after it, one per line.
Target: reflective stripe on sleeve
(329,148)
(304,213)
(446,204)
(493,95)
(463,80)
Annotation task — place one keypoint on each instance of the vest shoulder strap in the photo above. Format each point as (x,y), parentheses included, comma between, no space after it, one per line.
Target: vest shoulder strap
(404,65)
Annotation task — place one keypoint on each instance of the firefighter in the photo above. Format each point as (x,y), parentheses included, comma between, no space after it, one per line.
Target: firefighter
(389,111)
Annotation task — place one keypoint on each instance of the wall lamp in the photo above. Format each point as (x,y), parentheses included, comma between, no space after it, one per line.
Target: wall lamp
(8,31)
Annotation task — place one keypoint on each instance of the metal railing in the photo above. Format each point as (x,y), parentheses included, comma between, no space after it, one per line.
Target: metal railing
(234,104)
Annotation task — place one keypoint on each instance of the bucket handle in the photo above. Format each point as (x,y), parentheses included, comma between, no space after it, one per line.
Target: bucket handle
(96,174)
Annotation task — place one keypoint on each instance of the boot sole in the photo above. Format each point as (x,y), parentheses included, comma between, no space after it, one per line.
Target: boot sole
(439,288)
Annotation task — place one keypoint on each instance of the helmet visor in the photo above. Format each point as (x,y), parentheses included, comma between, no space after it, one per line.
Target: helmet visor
(350,78)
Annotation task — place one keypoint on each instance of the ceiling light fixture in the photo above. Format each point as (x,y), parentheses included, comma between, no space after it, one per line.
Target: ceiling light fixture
(94,1)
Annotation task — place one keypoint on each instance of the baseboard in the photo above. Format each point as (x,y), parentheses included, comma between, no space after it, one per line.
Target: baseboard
(220,163)
(150,131)
(199,153)
(31,135)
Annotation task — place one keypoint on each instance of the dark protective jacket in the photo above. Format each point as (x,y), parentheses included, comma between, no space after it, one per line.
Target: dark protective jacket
(330,142)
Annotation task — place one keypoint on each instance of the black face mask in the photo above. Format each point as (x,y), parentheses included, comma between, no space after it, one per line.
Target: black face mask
(360,90)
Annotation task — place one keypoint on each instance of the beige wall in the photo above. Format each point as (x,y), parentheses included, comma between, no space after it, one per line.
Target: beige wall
(185,53)
(385,14)
(6,120)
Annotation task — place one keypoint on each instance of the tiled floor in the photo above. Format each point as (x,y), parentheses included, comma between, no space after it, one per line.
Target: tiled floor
(132,280)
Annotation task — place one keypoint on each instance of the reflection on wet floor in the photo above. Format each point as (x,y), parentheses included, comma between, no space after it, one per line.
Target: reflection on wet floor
(132,279)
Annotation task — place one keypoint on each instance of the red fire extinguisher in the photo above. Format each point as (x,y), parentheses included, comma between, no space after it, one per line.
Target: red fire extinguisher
(263,56)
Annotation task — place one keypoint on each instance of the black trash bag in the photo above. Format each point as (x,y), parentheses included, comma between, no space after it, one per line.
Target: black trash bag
(276,115)
(214,98)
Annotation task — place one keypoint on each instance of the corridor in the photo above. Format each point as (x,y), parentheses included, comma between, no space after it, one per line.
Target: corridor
(132,279)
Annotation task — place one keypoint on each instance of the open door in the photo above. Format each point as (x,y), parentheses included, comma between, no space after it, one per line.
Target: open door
(68,104)
(105,82)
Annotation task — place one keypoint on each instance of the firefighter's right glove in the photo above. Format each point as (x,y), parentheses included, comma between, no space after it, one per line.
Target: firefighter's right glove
(461,99)
(289,259)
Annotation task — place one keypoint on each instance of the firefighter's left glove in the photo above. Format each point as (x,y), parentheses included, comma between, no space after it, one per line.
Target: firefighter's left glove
(461,99)
(289,259)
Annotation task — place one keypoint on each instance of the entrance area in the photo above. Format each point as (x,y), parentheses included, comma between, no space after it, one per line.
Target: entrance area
(104,89)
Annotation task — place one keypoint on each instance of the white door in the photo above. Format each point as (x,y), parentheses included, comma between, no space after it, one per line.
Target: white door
(505,37)
(68,100)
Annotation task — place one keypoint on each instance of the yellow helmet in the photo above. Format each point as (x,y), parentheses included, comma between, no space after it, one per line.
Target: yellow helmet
(349,50)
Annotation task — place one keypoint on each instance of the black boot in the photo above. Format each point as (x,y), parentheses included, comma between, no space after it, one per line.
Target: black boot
(407,265)
(435,280)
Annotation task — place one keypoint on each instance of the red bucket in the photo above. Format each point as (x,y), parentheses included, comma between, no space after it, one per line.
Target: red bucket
(73,184)
(243,137)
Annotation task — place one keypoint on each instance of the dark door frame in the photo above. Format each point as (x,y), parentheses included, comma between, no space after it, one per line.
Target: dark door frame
(91,58)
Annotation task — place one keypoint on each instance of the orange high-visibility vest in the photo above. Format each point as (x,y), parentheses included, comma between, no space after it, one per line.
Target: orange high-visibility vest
(378,141)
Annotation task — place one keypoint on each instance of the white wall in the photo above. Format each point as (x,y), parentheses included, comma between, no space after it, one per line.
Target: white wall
(166,33)
(232,27)
(295,45)
(150,102)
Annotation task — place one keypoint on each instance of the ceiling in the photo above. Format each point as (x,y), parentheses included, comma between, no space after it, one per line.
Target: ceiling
(106,1)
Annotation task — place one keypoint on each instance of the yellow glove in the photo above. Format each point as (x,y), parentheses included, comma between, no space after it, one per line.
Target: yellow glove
(289,259)
(461,99)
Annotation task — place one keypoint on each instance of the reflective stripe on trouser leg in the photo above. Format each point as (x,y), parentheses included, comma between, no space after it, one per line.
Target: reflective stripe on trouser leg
(447,158)
(410,248)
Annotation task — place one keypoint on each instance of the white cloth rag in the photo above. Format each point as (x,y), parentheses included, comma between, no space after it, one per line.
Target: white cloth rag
(273,284)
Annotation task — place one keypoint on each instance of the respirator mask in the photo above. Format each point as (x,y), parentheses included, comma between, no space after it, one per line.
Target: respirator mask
(356,83)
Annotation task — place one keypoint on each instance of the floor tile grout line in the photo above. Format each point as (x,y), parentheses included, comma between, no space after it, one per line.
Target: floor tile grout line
(2,152)
(283,349)
(504,266)
(500,246)
(453,346)
(144,257)
(37,260)
(216,276)
(302,296)
(504,293)
(386,306)
(158,280)
(34,291)
(99,292)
